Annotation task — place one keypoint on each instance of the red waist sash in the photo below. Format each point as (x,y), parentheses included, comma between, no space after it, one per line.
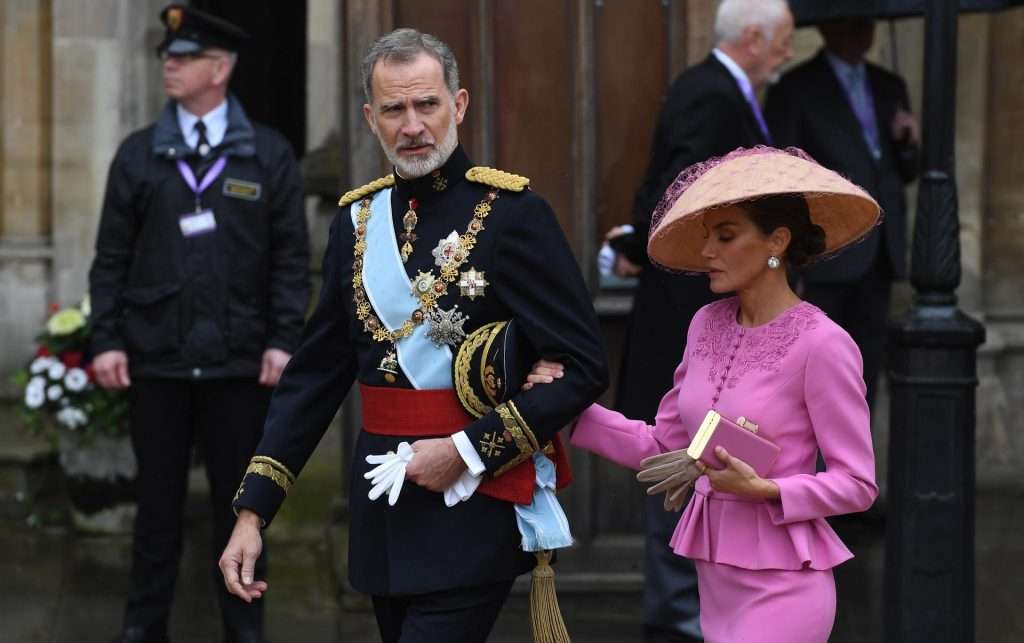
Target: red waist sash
(437,412)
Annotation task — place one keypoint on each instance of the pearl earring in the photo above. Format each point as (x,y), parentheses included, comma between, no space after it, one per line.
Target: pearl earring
(773,262)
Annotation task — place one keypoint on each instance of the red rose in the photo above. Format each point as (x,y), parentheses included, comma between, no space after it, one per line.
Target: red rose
(73,359)
(42,352)
(90,373)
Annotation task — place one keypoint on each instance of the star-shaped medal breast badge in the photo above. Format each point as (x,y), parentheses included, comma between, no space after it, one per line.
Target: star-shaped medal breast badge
(472,283)
(446,326)
(446,249)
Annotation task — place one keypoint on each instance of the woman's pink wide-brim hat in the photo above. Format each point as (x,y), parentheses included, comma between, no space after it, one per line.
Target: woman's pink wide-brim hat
(844,210)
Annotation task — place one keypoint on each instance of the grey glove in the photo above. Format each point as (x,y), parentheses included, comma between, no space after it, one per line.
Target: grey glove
(673,472)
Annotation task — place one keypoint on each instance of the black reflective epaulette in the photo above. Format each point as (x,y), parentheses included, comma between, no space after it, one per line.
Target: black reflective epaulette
(373,186)
(497,178)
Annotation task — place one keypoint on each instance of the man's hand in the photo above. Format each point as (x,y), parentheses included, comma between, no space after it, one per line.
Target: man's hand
(111,369)
(738,478)
(905,128)
(624,267)
(238,561)
(437,464)
(274,361)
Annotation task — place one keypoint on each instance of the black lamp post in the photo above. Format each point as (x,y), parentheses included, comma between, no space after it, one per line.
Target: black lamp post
(929,571)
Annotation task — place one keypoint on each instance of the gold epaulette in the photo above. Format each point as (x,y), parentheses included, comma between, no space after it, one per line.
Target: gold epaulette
(497,178)
(373,186)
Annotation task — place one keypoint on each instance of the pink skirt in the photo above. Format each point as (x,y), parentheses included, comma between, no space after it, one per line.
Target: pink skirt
(765,605)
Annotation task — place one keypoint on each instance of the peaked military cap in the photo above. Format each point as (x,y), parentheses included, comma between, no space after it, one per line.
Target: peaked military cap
(490,366)
(191,30)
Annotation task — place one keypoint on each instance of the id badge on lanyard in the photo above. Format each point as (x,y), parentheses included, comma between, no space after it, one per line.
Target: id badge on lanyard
(202,220)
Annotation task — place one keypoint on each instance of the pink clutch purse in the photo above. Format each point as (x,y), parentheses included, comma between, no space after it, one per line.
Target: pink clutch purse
(738,438)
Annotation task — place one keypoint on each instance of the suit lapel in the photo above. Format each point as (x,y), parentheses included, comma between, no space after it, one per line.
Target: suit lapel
(751,119)
(837,103)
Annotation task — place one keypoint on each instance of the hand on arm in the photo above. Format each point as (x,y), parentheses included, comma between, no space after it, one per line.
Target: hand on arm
(238,562)
(544,372)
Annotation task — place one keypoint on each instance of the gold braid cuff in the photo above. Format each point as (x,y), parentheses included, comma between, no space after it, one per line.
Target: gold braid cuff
(497,178)
(511,425)
(271,468)
(522,424)
(373,186)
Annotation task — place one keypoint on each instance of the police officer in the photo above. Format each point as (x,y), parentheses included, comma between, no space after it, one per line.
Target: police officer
(199,289)
(419,263)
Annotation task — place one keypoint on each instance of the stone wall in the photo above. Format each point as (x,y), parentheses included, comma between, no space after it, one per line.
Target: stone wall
(75,80)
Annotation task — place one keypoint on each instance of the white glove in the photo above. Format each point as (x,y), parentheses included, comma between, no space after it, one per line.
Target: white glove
(389,474)
(462,489)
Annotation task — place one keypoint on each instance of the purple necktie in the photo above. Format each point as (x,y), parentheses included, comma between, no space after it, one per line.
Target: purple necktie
(859,93)
(752,101)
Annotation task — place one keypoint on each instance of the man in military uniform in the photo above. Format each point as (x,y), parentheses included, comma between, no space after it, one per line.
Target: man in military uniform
(415,262)
(199,288)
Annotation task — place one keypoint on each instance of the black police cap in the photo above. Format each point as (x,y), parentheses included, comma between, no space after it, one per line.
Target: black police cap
(191,30)
(491,365)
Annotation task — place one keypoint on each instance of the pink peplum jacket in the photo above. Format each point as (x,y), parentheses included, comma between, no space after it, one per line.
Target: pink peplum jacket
(799,377)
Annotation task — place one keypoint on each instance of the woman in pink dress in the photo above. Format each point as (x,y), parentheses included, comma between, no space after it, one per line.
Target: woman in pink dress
(763,550)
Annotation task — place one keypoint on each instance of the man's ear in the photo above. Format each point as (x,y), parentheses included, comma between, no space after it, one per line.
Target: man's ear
(461,104)
(371,119)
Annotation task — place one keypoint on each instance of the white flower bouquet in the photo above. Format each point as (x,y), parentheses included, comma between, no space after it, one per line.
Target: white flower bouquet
(61,398)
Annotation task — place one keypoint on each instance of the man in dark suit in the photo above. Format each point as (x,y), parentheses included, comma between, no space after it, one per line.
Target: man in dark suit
(711,109)
(853,117)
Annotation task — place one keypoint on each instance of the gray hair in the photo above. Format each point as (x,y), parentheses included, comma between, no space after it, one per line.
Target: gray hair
(402,46)
(734,16)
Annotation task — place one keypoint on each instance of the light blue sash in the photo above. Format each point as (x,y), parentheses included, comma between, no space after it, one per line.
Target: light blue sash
(389,289)
(542,523)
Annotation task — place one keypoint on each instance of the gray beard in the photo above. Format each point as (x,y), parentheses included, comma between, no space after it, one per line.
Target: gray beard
(414,169)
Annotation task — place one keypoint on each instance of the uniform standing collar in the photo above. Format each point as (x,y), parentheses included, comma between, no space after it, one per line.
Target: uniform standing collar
(438,181)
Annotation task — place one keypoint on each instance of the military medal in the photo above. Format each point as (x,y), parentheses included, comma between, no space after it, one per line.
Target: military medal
(389,365)
(448,250)
(446,326)
(472,284)
(409,221)
(450,253)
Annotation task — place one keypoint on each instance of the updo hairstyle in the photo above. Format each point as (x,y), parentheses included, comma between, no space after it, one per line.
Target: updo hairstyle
(789,211)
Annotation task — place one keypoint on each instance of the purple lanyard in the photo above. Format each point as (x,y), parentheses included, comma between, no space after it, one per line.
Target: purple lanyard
(210,176)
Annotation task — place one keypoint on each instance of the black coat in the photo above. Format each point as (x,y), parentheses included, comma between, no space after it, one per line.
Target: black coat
(206,306)
(809,108)
(705,115)
(420,545)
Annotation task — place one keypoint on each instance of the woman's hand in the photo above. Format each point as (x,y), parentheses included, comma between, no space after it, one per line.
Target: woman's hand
(544,372)
(738,478)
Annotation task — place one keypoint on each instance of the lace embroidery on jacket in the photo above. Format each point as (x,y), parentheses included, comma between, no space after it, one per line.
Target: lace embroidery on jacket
(734,350)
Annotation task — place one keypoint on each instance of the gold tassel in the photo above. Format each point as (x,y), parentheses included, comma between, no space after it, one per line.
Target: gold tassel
(545,616)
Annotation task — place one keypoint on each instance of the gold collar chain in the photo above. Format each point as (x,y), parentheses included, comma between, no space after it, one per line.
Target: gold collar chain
(427,288)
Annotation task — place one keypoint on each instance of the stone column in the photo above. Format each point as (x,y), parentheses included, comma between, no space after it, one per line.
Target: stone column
(1000,445)
(25,211)
(106,83)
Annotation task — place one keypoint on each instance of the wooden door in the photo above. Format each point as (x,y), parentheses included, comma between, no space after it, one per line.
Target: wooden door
(565,92)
